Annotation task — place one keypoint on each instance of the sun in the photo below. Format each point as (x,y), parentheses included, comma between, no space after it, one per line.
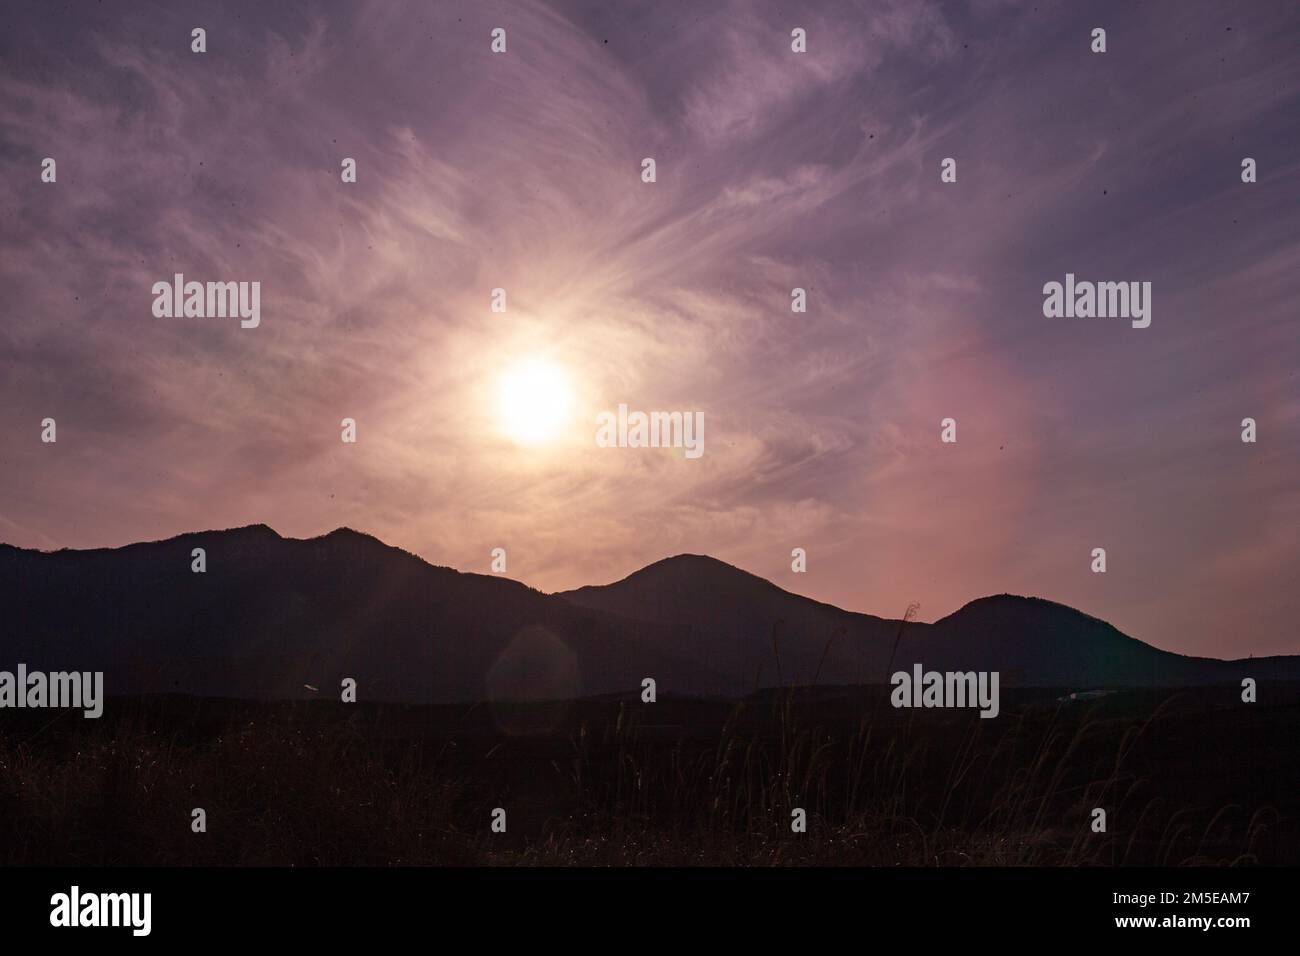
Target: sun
(534,399)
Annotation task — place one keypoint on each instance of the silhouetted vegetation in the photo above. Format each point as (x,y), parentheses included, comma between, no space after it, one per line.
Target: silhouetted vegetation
(1187,777)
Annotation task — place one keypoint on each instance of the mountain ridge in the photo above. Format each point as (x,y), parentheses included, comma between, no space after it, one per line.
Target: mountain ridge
(272,614)
(343,532)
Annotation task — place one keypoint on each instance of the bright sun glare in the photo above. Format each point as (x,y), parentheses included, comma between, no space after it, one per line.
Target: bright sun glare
(534,400)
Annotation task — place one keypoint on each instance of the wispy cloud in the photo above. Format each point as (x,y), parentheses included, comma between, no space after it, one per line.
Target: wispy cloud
(775,170)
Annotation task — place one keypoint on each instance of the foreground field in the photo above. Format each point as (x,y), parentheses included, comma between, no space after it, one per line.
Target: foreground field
(1188,777)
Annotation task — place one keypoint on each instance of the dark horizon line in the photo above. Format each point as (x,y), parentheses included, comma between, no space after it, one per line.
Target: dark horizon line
(677,558)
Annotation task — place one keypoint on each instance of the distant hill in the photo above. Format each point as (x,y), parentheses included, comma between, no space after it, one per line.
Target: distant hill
(273,616)
(1033,642)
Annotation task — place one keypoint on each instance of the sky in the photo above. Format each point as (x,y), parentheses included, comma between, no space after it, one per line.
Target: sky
(522,170)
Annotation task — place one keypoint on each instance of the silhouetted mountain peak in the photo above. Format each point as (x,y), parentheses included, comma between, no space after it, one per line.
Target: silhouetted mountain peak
(698,591)
(680,578)
(265,535)
(345,532)
(259,530)
(351,537)
(690,565)
(244,534)
(1003,606)
(264,532)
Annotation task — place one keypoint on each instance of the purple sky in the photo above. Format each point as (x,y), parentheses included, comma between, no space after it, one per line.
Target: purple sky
(775,170)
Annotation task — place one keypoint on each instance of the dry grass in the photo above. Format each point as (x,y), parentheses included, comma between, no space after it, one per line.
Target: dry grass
(677,782)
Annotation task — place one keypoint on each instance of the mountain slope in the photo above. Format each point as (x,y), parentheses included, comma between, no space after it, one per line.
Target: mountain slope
(1032,642)
(272,615)
(1044,643)
(730,616)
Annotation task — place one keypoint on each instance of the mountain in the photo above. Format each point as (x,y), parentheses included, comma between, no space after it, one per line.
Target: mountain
(276,617)
(271,615)
(1030,641)
(1049,644)
(743,625)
